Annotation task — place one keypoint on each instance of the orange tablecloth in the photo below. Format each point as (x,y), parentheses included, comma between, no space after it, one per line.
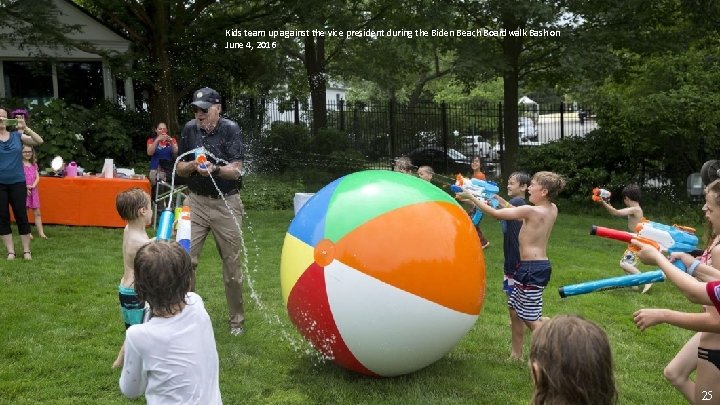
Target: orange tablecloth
(83,201)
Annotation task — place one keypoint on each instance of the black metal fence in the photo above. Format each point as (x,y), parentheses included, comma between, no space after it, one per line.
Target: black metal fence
(382,131)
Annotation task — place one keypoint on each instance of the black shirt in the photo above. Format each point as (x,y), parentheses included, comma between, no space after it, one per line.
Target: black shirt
(225,142)
(511,238)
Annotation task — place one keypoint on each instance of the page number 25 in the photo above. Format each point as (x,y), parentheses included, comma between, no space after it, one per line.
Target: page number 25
(707,395)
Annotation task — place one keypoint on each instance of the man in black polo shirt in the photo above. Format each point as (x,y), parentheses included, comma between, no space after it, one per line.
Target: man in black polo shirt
(222,140)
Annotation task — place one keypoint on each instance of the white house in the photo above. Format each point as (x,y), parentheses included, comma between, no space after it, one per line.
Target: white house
(336,91)
(277,110)
(73,75)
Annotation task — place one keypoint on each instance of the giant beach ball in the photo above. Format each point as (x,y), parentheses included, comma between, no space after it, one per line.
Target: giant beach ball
(382,272)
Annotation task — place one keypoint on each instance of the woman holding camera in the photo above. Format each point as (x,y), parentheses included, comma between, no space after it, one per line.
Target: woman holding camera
(13,190)
(160,147)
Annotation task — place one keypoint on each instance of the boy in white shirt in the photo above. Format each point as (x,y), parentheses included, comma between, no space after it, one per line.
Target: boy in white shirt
(172,358)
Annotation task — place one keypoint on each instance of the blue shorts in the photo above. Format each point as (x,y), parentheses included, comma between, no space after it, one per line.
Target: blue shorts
(131,307)
(531,278)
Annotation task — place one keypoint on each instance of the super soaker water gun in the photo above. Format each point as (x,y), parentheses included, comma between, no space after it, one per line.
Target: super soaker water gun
(600,194)
(662,237)
(201,158)
(630,280)
(480,189)
(183,228)
(165,224)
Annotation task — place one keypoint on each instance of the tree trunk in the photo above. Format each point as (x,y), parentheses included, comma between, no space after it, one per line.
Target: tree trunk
(163,98)
(164,103)
(317,80)
(512,47)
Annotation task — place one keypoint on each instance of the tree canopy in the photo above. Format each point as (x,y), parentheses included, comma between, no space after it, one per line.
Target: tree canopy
(651,67)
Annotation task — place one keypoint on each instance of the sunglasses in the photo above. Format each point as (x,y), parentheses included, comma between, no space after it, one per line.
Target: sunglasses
(198,109)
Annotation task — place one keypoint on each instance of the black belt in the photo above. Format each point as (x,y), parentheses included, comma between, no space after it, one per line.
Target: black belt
(221,195)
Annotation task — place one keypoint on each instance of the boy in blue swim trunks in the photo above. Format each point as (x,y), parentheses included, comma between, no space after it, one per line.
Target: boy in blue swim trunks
(533,273)
(133,205)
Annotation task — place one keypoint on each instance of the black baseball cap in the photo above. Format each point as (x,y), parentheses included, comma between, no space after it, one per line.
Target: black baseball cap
(205,97)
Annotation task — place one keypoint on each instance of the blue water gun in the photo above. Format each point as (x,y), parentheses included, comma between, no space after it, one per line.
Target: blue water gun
(630,280)
(665,238)
(167,222)
(480,189)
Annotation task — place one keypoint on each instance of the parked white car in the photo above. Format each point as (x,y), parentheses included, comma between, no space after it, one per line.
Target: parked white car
(526,130)
(477,145)
(496,149)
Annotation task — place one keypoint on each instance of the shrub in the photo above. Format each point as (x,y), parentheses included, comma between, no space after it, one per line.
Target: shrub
(282,146)
(131,127)
(329,140)
(88,136)
(598,159)
(63,129)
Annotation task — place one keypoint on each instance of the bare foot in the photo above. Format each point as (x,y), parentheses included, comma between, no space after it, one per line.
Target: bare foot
(647,287)
(118,363)
(43,236)
(515,358)
(31,237)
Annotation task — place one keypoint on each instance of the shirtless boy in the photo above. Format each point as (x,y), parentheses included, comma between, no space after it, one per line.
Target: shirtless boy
(133,205)
(634,214)
(533,274)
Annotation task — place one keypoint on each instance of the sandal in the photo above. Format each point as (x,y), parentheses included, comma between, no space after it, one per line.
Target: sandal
(11,254)
(27,255)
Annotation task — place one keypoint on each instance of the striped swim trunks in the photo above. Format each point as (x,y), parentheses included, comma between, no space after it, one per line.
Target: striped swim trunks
(531,278)
(132,309)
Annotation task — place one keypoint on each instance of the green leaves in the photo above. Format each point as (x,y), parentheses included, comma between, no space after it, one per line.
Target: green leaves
(665,109)
(88,136)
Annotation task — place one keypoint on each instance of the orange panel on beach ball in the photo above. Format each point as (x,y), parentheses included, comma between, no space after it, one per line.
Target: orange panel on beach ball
(426,247)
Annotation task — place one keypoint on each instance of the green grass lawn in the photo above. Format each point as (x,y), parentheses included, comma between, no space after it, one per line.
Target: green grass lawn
(60,328)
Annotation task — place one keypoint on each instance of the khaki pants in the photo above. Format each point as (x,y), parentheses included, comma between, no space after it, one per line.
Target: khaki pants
(156,175)
(208,214)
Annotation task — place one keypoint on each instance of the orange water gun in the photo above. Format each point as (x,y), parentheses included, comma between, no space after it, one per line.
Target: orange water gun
(600,194)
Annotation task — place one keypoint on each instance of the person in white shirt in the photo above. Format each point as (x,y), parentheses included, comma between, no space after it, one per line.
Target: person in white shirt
(171,358)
